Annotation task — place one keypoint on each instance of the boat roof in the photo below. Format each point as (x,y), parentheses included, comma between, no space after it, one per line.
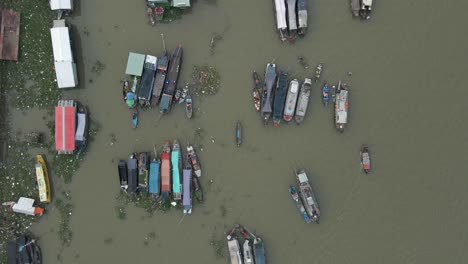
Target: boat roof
(175,171)
(366,2)
(151,60)
(154,178)
(24,205)
(280,14)
(135,64)
(342,111)
(302,177)
(65,73)
(186,200)
(292,14)
(181,3)
(294,86)
(65,115)
(9,35)
(61,4)
(61,45)
(80,130)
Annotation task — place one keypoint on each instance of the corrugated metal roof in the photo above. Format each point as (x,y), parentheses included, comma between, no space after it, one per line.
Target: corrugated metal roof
(65,128)
(61,44)
(65,72)
(135,64)
(61,4)
(181,3)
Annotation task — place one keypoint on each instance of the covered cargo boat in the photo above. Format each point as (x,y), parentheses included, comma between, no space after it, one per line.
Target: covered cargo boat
(81,133)
(9,35)
(303,101)
(153,187)
(145,90)
(132,175)
(176,161)
(341,106)
(171,80)
(161,71)
(280,97)
(308,196)
(64,64)
(291,100)
(187,187)
(166,170)
(267,96)
(194,160)
(302,17)
(281,24)
(123,174)
(65,121)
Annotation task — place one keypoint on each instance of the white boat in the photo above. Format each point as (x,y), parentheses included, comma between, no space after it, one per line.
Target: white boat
(248,256)
(303,101)
(234,251)
(291,100)
(341,106)
(281,24)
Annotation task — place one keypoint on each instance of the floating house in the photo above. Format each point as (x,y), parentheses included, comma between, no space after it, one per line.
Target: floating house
(65,67)
(71,126)
(64,5)
(135,64)
(9,35)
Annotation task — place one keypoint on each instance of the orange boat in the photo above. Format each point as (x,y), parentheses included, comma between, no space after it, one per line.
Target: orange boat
(9,35)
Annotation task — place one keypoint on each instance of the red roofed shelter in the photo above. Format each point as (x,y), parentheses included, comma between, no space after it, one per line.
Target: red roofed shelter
(65,121)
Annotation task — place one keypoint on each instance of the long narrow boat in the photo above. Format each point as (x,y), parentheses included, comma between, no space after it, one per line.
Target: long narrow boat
(171,81)
(267,97)
(132,175)
(341,106)
(194,159)
(188,106)
(238,134)
(145,91)
(280,97)
(299,205)
(256,91)
(123,174)
(143,170)
(318,71)
(303,101)
(234,251)
(302,17)
(259,251)
(308,196)
(187,187)
(280,18)
(184,94)
(176,161)
(291,100)
(196,188)
(365,159)
(355,7)
(166,170)
(161,72)
(42,178)
(153,184)
(325,94)
(292,20)
(247,250)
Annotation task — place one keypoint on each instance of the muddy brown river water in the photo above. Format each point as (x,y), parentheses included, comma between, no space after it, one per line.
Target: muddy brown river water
(407,101)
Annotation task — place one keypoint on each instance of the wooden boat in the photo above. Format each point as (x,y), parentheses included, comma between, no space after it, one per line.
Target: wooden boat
(325,94)
(333,93)
(303,101)
(256,91)
(150,16)
(125,89)
(318,71)
(234,251)
(248,255)
(194,159)
(166,170)
(135,118)
(154,177)
(308,196)
(145,90)
(42,179)
(123,174)
(196,187)
(365,159)
(188,106)
(299,205)
(176,161)
(302,17)
(341,106)
(132,169)
(238,133)
(143,170)
(187,187)
(9,35)
(281,20)
(161,71)
(280,97)
(291,100)
(292,19)
(184,94)
(259,251)
(171,82)
(267,96)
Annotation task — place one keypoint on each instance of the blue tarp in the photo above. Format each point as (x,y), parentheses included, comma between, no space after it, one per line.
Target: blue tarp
(154,178)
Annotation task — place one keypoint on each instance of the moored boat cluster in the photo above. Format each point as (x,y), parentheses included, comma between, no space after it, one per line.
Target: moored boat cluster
(245,247)
(165,177)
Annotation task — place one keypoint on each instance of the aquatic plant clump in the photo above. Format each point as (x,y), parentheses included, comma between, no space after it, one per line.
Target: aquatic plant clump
(65,208)
(206,80)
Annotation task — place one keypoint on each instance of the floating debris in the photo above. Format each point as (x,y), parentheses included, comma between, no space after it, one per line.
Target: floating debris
(206,80)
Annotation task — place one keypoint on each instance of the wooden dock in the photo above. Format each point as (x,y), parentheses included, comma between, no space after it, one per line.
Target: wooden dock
(9,35)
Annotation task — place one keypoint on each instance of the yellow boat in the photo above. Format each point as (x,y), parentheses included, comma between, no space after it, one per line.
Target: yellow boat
(42,177)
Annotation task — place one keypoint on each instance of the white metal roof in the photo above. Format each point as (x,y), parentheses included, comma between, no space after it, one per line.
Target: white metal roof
(181,3)
(280,14)
(302,177)
(65,72)
(24,206)
(61,44)
(294,86)
(151,59)
(80,130)
(61,4)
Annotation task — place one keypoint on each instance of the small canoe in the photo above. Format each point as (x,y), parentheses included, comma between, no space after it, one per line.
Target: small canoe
(188,106)
(299,205)
(194,159)
(248,255)
(333,93)
(341,106)
(135,119)
(184,93)
(150,15)
(123,174)
(196,188)
(318,71)
(238,133)
(325,94)
(365,159)
(42,178)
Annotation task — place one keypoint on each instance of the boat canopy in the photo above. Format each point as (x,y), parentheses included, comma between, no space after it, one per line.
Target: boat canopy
(65,114)
(302,177)
(61,4)
(292,14)
(366,3)
(65,67)
(135,64)
(302,13)
(175,172)
(181,3)
(147,79)
(165,173)
(280,14)
(187,201)
(24,206)
(154,178)
(342,107)
(132,175)
(294,86)
(80,130)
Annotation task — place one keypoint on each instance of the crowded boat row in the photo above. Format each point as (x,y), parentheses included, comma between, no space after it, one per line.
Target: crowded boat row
(280,99)
(251,251)
(165,177)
